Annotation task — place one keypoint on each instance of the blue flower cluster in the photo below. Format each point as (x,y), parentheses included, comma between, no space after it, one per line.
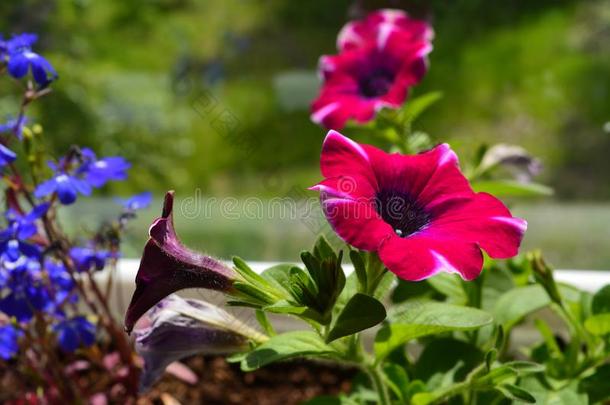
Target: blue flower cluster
(79,173)
(34,282)
(17,53)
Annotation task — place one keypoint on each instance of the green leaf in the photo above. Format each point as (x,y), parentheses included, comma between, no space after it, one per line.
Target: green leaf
(397,379)
(510,188)
(598,324)
(601,301)
(416,106)
(422,398)
(515,304)
(278,276)
(247,273)
(525,367)
(596,385)
(490,357)
(450,286)
(265,323)
(515,393)
(359,268)
(323,250)
(441,354)
(285,307)
(286,346)
(252,294)
(415,319)
(496,376)
(361,312)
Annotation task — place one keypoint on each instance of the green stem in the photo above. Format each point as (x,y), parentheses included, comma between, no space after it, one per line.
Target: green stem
(376,377)
(449,392)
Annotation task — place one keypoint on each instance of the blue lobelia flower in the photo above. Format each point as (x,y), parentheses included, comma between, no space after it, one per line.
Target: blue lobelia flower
(20,228)
(6,156)
(66,185)
(26,292)
(136,202)
(22,59)
(14,125)
(9,341)
(74,333)
(3,49)
(87,258)
(61,281)
(98,172)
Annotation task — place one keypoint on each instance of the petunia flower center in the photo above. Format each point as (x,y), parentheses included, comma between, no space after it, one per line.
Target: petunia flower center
(401,212)
(376,84)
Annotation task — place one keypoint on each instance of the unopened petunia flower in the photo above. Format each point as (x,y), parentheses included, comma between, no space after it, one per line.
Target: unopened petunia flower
(176,328)
(168,266)
(418,212)
(380,59)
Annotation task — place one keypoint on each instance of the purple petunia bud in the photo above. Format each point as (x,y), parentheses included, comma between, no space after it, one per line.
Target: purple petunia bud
(168,266)
(176,328)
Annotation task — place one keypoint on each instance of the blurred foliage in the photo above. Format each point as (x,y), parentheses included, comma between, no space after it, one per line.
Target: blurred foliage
(214,94)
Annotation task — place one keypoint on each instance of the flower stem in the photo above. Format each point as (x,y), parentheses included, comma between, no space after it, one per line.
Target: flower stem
(376,376)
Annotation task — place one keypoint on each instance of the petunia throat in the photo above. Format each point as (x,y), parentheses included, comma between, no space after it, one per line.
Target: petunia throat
(376,83)
(402,212)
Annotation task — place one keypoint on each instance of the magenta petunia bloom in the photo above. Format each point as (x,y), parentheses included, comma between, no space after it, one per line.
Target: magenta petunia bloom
(418,212)
(380,59)
(378,23)
(168,266)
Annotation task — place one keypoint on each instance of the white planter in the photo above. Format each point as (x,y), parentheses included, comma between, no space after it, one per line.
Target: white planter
(124,282)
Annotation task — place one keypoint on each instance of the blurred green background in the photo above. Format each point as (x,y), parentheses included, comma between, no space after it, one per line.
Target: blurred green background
(154,81)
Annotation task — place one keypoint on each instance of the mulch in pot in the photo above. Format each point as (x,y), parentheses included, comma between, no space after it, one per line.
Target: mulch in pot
(223,383)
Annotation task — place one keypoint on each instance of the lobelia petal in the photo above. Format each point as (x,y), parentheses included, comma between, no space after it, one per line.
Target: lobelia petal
(168,266)
(18,65)
(45,188)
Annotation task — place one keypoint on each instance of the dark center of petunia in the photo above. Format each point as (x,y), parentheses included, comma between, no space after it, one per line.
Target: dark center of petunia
(402,212)
(376,83)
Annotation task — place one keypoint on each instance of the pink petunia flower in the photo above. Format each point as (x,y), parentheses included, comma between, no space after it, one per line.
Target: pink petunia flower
(380,58)
(378,23)
(418,212)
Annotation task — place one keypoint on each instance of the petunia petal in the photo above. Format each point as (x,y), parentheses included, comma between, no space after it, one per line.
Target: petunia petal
(482,219)
(340,156)
(419,257)
(356,222)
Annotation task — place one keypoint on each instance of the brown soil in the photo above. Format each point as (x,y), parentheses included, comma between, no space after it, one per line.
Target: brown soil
(223,383)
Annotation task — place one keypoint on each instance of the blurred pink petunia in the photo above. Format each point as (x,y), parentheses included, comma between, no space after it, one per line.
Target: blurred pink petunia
(168,266)
(418,212)
(378,23)
(380,59)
